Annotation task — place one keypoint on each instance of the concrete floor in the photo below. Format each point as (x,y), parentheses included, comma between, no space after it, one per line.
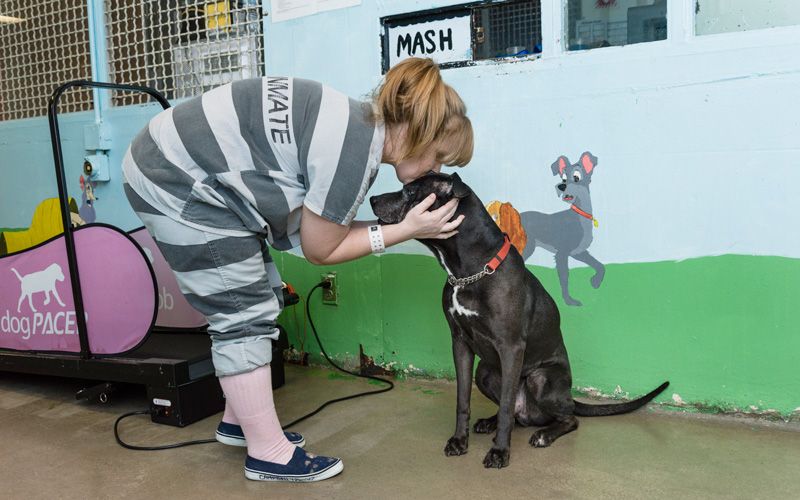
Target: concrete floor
(391,444)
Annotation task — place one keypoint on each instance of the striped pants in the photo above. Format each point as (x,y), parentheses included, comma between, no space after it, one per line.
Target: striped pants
(231,280)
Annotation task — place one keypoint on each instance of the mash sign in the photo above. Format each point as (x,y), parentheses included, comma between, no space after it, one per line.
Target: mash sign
(443,40)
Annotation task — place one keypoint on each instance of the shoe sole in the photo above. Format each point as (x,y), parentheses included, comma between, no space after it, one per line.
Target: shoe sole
(308,478)
(236,441)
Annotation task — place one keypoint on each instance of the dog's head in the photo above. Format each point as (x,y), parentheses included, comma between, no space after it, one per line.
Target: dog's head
(392,208)
(575,179)
(55,272)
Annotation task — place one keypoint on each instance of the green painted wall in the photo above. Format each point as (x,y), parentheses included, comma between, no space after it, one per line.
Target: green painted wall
(724,330)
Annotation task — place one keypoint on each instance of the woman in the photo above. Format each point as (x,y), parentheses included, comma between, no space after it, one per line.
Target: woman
(288,162)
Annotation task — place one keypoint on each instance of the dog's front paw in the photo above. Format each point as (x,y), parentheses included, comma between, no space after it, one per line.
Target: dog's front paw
(486,425)
(597,279)
(572,302)
(456,446)
(540,439)
(496,458)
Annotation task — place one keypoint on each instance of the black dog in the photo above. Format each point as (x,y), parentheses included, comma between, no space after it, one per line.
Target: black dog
(500,312)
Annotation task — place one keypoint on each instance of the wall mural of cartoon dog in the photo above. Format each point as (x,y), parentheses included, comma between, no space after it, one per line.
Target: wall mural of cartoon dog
(507,218)
(567,233)
(87,211)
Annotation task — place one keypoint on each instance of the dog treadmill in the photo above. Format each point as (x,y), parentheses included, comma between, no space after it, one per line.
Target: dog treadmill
(108,333)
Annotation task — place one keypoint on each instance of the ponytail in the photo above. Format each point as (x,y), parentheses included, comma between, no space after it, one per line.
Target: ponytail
(414,94)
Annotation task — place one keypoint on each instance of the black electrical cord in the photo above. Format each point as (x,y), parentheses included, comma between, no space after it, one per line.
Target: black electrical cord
(371,377)
(152,448)
(323,284)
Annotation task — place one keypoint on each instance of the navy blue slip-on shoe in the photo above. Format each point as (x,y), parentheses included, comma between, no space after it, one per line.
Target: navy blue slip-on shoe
(302,468)
(232,434)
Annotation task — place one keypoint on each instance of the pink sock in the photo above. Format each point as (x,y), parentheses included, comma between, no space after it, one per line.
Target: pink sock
(229,417)
(250,397)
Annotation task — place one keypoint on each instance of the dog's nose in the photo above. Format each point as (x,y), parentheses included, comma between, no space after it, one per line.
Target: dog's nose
(562,187)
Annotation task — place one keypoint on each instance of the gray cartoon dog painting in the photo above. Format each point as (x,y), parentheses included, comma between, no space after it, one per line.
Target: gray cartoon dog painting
(567,233)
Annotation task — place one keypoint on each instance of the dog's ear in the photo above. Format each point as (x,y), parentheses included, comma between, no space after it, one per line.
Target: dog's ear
(559,165)
(588,162)
(460,190)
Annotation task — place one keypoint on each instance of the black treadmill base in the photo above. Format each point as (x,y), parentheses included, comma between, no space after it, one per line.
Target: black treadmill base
(187,403)
(176,370)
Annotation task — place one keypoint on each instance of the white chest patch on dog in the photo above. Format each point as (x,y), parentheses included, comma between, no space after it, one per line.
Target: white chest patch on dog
(455,308)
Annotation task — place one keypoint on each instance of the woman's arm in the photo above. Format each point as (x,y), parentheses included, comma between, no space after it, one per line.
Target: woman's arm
(325,242)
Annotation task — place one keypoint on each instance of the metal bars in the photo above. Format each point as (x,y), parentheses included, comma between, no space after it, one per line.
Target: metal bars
(49,46)
(508,28)
(182,47)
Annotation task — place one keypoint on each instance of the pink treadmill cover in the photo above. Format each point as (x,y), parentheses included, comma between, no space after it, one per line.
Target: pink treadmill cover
(36,305)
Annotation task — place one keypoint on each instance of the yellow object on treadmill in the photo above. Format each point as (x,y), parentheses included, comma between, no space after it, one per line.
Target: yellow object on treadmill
(46,223)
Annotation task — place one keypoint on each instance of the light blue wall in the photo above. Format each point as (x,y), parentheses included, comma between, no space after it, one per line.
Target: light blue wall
(27,174)
(26,164)
(696,136)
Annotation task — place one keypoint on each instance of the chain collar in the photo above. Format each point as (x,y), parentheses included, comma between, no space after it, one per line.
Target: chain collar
(469,279)
(487,270)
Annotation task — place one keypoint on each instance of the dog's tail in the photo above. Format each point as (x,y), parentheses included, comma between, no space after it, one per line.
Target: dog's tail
(587,410)
(15,272)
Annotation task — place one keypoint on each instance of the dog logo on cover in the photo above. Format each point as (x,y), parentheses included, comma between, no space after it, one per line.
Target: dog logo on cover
(41,281)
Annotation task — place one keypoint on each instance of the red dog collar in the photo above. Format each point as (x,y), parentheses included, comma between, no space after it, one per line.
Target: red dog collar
(489,268)
(584,214)
(501,255)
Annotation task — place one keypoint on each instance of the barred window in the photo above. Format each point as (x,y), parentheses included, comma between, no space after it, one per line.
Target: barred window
(508,29)
(42,45)
(182,48)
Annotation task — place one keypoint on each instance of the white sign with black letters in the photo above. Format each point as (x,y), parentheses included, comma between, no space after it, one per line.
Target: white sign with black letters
(283,10)
(443,40)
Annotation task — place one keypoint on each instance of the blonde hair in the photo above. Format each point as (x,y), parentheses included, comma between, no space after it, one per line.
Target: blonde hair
(414,94)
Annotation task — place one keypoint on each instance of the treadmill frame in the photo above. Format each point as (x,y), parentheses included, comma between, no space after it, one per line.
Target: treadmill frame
(181,389)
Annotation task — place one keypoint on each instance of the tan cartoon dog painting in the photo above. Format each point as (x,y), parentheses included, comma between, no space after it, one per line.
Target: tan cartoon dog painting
(508,219)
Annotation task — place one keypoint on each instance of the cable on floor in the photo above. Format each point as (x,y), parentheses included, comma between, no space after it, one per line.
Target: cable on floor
(323,284)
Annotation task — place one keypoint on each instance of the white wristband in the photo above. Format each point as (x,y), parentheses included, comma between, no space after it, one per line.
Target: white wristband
(376,239)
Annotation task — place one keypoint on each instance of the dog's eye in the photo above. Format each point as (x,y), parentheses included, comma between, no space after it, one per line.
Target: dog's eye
(576,176)
(563,178)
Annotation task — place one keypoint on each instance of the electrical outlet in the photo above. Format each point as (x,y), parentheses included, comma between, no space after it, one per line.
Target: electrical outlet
(330,295)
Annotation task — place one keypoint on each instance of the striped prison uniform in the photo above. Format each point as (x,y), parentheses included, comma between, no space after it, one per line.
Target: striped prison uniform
(217,177)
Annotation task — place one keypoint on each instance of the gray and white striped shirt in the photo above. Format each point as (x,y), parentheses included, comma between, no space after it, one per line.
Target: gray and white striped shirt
(245,157)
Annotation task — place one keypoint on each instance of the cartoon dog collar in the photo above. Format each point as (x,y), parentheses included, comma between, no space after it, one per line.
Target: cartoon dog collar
(585,214)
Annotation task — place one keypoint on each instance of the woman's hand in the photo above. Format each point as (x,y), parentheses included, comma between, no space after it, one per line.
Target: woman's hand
(436,224)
